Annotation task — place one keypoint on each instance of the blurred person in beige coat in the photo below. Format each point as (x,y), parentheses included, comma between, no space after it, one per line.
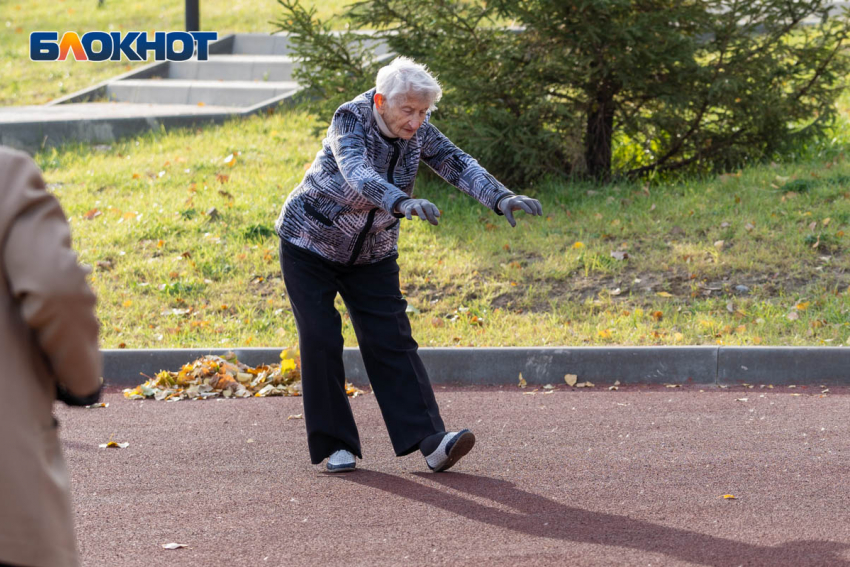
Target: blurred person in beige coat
(48,351)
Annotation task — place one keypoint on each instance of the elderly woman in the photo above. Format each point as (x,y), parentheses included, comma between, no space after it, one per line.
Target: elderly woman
(339,232)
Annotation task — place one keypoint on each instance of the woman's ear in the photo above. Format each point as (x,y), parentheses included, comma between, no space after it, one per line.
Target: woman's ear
(379,101)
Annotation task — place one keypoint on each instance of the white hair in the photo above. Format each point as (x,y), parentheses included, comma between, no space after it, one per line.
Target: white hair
(404,76)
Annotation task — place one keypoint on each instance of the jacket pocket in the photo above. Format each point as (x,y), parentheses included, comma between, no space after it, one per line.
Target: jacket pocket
(316,215)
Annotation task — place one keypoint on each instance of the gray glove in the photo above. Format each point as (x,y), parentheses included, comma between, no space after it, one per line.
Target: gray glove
(519,202)
(422,208)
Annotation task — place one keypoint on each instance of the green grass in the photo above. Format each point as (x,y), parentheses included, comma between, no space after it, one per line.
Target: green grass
(172,273)
(29,82)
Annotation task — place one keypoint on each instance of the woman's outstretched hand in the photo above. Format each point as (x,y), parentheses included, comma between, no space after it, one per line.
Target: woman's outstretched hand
(422,208)
(519,203)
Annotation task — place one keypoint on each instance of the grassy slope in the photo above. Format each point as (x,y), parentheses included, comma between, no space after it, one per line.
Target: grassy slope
(28,82)
(170,275)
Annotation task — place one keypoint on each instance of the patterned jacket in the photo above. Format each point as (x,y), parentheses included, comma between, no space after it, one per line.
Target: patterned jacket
(342,209)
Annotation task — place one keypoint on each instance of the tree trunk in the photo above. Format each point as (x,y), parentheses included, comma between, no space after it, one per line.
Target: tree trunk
(597,138)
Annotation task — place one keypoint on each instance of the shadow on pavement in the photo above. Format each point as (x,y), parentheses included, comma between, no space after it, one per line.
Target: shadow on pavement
(541,517)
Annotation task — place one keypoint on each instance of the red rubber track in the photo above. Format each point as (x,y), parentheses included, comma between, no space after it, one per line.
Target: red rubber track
(577,477)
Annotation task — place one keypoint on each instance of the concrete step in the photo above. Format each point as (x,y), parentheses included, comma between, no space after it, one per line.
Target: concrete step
(89,111)
(265,44)
(260,44)
(234,68)
(179,91)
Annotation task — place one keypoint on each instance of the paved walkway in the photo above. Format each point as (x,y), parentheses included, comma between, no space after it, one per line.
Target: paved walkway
(584,477)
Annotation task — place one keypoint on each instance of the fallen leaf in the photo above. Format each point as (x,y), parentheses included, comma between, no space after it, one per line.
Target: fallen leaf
(619,255)
(613,388)
(214,376)
(729,497)
(548,387)
(719,244)
(664,294)
(672,385)
(803,305)
(176,545)
(570,379)
(741,399)
(295,416)
(92,214)
(793,316)
(585,385)
(98,405)
(113,445)
(522,382)
(578,245)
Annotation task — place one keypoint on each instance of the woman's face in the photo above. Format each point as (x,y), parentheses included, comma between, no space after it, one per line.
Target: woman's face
(404,115)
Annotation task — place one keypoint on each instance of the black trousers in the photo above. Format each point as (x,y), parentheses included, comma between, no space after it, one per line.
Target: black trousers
(377,310)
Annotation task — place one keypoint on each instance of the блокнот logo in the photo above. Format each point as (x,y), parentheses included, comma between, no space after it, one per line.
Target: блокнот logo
(109,46)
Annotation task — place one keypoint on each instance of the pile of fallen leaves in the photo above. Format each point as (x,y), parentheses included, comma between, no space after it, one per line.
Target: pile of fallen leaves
(224,376)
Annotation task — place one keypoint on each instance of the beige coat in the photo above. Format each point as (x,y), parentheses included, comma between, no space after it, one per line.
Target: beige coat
(48,335)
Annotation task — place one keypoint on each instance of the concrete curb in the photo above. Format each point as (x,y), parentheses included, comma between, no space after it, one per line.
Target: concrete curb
(708,365)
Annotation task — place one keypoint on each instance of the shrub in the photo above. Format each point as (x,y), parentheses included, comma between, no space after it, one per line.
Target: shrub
(595,87)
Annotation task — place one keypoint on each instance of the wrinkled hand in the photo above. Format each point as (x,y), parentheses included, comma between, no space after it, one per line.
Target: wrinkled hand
(422,208)
(519,203)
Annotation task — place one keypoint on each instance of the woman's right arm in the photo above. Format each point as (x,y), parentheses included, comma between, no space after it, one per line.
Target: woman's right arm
(347,139)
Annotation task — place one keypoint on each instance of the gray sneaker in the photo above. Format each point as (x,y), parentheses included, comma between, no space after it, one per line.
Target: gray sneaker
(453,446)
(341,461)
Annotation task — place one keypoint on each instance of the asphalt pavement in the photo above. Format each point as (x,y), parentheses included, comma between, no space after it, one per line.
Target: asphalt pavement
(578,477)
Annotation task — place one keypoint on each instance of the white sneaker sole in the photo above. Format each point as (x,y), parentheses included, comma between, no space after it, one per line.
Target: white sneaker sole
(459,447)
(340,468)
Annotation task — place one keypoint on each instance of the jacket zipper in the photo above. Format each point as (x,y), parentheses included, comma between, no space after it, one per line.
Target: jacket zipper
(393,161)
(358,244)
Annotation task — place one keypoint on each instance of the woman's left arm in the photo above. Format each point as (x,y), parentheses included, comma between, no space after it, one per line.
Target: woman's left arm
(460,169)
(463,171)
